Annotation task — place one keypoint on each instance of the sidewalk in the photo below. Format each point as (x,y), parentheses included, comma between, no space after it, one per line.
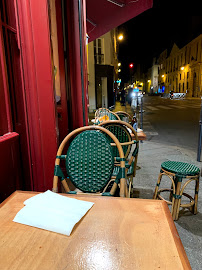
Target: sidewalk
(189,226)
(150,157)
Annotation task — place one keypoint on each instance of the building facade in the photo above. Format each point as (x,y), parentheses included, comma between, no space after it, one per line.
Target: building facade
(151,78)
(181,70)
(102,70)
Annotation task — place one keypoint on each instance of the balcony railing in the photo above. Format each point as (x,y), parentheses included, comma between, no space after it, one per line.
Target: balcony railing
(99,59)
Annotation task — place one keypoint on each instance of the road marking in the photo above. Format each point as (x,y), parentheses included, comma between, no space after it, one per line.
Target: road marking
(151,133)
(163,107)
(152,108)
(177,107)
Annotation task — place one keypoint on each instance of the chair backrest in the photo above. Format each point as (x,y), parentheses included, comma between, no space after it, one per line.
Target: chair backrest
(124,116)
(89,160)
(106,115)
(121,130)
(122,135)
(99,112)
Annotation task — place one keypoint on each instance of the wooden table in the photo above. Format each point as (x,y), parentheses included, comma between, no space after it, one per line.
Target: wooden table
(117,233)
(141,136)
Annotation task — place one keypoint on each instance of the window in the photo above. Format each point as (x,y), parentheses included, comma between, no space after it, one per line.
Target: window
(187,75)
(187,85)
(185,55)
(99,46)
(179,87)
(9,56)
(196,51)
(180,76)
(94,43)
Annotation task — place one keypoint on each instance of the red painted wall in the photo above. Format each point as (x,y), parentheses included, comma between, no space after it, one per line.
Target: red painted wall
(34,40)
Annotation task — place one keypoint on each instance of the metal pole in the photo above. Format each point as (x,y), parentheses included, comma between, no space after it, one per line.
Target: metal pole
(200,135)
(141,119)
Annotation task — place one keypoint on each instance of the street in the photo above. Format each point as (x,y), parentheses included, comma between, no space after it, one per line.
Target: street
(173,122)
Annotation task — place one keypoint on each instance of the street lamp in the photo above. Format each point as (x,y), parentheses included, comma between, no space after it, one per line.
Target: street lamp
(120,37)
(119,64)
(119,70)
(182,68)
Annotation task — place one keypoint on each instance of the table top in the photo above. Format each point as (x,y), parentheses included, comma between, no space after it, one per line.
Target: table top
(117,233)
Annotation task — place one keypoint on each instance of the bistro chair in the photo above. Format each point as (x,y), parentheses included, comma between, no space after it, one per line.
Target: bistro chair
(177,171)
(104,114)
(100,112)
(124,116)
(122,130)
(89,162)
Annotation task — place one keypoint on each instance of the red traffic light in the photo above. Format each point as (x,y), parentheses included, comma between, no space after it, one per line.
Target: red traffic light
(131,65)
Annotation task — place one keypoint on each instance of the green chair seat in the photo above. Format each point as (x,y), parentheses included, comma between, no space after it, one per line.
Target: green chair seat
(181,169)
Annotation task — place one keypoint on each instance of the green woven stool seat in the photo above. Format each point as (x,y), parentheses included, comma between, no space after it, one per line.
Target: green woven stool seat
(181,169)
(176,171)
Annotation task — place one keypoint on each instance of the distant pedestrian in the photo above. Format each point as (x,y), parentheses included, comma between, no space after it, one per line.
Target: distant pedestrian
(122,97)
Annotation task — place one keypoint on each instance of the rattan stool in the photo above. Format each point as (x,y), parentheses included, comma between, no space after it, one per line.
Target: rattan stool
(176,171)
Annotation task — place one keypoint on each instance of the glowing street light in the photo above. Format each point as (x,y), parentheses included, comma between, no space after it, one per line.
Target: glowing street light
(119,70)
(162,76)
(182,68)
(120,37)
(119,64)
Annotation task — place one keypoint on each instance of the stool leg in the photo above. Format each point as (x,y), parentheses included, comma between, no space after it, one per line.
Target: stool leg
(171,192)
(176,207)
(157,186)
(196,196)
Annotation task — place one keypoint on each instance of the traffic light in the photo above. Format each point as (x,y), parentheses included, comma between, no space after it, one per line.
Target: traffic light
(131,65)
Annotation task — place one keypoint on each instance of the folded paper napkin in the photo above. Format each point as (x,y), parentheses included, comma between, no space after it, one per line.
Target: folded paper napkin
(52,212)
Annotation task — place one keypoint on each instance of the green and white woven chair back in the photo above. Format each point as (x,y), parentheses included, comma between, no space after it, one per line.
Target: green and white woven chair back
(122,135)
(124,118)
(90,161)
(110,115)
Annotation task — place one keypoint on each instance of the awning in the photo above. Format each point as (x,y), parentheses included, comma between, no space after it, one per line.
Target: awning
(104,15)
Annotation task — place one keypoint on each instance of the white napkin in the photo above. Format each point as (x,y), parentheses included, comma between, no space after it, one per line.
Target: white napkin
(52,212)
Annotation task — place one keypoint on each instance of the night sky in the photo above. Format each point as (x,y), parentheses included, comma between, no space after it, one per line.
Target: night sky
(151,32)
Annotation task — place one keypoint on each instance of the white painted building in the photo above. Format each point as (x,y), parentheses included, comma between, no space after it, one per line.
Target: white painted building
(102,70)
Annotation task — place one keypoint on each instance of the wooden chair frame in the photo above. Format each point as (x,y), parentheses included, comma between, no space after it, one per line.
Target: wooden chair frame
(131,142)
(123,185)
(126,114)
